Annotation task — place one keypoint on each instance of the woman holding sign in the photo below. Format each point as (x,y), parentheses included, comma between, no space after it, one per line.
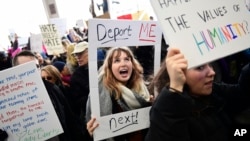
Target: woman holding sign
(121,88)
(190,106)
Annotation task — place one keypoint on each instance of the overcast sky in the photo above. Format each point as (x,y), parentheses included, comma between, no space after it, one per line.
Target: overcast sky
(25,16)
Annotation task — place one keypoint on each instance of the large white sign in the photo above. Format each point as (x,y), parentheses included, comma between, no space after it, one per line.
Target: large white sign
(114,33)
(204,30)
(26,110)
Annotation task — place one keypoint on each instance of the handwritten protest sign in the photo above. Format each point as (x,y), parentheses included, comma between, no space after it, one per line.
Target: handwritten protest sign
(114,33)
(204,30)
(51,39)
(27,113)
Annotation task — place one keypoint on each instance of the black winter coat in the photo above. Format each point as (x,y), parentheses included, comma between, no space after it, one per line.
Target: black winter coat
(78,95)
(79,89)
(69,121)
(180,117)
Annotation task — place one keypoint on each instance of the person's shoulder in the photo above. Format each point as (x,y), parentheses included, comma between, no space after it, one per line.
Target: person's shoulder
(50,87)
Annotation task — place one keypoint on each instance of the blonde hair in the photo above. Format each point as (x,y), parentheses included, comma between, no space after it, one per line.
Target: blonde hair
(70,58)
(53,71)
(110,82)
(65,44)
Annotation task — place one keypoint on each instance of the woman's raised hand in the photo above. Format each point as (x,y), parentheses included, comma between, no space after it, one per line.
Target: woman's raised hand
(176,66)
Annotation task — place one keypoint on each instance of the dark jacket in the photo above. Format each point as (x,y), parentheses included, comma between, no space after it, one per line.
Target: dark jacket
(3,135)
(78,95)
(69,121)
(79,89)
(180,117)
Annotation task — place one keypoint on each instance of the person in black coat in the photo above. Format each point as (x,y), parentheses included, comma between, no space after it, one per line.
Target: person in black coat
(190,107)
(79,85)
(79,82)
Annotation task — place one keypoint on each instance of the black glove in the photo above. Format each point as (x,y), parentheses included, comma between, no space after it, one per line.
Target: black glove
(3,135)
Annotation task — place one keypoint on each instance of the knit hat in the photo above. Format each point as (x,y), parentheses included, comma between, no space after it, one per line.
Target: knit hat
(59,65)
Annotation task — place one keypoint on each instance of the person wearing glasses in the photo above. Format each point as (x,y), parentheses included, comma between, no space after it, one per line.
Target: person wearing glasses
(51,73)
(69,121)
(79,84)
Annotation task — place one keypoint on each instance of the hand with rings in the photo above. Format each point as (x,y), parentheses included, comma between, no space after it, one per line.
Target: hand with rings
(92,125)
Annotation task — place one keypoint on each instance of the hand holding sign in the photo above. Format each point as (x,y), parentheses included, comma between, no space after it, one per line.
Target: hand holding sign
(116,34)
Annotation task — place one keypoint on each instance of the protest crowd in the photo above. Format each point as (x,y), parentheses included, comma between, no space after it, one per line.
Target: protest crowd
(69,73)
(182,108)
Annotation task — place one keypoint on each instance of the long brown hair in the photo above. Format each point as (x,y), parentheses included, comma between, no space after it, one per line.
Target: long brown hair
(160,80)
(110,82)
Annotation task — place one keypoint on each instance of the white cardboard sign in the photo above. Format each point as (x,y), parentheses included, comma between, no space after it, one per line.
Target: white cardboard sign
(26,110)
(204,30)
(36,42)
(61,25)
(51,39)
(114,33)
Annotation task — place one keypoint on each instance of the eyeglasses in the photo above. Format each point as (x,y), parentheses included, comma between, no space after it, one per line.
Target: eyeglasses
(47,78)
(80,53)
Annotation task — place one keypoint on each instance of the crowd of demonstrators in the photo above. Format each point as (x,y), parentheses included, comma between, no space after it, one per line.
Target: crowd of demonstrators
(190,106)
(121,88)
(125,70)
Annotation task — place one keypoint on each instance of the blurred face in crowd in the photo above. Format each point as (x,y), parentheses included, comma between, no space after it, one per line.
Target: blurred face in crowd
(40,58)
(25,59)
(65,70)
(47,76)
(82,57)
(200,79)
(122,67)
